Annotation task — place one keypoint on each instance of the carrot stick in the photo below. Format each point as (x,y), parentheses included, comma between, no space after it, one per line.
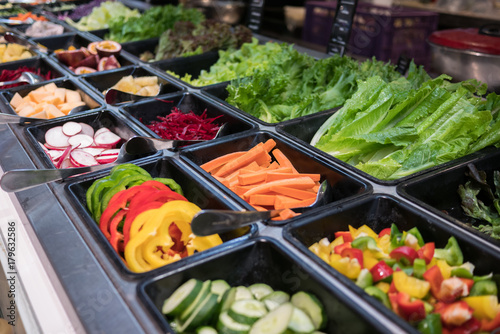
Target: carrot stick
(241,161)
(287,214)
(254,177)
(269,145)
(305,202)
(217,162)
(282,159)
(259,208)
(283,176)
(299,183)
(259,199)
(295,193)
(285,202)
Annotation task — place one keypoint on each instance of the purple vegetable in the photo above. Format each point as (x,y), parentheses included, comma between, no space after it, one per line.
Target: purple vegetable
(82,10)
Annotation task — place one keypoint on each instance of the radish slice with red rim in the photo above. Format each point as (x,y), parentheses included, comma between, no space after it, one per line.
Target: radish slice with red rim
(107,138)
(106,159)
(111,151)
(82,158)
(95,151)
(71,128)
(87,129)
(101,130)
(56,138)
(81,141)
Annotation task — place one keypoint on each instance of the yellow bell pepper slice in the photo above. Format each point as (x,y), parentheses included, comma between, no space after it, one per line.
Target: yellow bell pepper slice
(411,285)
(384,243)
(485,307)
(383,286)
(363,229)
(445,268)
(348,267)
(369,260)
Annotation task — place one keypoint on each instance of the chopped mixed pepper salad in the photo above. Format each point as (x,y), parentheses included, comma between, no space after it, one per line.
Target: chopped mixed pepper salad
(145,219)
(211,307)
(432,288)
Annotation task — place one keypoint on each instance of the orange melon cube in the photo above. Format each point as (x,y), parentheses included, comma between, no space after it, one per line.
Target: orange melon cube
(27,111)
(16,100)
(72,96)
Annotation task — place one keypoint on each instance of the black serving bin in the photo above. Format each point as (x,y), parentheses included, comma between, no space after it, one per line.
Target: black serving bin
(344,185)
(43,64)
(97,119)
(195,189)
(145,112)
(100,82)
(136,48)
(379,212)
(7,95)
(264,261)
(438,192)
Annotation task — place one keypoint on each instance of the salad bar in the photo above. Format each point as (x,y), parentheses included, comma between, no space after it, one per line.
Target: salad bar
(377,193)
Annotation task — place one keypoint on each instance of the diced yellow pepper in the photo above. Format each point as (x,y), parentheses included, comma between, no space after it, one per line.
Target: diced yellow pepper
(411,285)
(348,267)
(445,268)
(338,241)
(369,260)
(485,307)
(324,245)
(363,229)
(384,243)
(314,248)
(383,286)
(317,250)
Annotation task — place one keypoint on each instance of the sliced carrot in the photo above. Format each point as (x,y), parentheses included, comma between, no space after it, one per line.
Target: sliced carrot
(259,208)
(217,162)
(299,183)
(282,159)
(222,180)
(251,167)
(245,159)
(240,190)
(285,202)
(255,177)
(295,193)
(274,165)
(259,199)
(282,170)
(269,145)
(284,176)
(287,214)
(305,202)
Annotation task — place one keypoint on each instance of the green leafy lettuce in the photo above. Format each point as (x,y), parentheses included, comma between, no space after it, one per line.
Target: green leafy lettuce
(101,16)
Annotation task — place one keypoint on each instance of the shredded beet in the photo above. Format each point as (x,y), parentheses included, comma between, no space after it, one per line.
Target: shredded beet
(185,126)
(9,75)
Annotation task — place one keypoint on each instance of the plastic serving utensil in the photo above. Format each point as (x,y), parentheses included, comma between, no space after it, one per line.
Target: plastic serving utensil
(12,37)
(208,222)
(26,77)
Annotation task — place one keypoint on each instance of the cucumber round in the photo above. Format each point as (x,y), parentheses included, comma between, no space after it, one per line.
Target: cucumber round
(204,292)
(278,296)
(311,305)
(201,314)
(219,287)
(271,304)
(242,292)
(182,297)
(247,311)
(206,330)
(275,322)
(227,325)
(260,290)
(300,322)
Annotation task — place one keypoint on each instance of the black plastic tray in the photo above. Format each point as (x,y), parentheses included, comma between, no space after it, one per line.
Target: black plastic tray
(437,192)
(379,212)
(344,186)
(38,63)
(145,112)
(196,190)
(263,261)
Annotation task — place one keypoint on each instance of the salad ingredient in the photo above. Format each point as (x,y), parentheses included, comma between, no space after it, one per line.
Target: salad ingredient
(73,144)
(189,310)
(8,9)
(28,15)
(87,59)
(184,126)
(44,29)
(10,75)
(294,84)
(152,23)
(433,299)
(13,52)
(486,210)
(187,38)
(392,130)
(144,86)
(81,10)
(263,183)
(101,16)
(107,48)
(48,101)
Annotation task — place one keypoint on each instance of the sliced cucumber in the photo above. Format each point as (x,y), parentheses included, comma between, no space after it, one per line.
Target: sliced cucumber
(201,314)
(260,290)
(219,287)
(271,304)
(204,291)
(247,311)
(311,306)
(227,325)
(275,322)
(300,322)
(278,296)
(182,297)
(206,330)
(242,292)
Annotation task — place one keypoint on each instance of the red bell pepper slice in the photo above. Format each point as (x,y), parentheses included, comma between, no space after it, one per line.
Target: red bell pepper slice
(353,253)
(404,253)
(338,249)
(380,271)
(176,235)
(116,239)
(469,282)
(393,299)
(392,287)
(384,232)
(490,325)
(426,252)
(346,235)
(410,310)
(435,278)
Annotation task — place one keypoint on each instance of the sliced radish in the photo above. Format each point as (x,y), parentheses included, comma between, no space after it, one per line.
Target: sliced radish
(112,151)
(106,159)
(81,141)
(93,150)
(55,154)
(87,129)
(43,147)
(67,164)
(56,138)
(80,157)
(107,138)
(71,128)
(101,130)
(63,156)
